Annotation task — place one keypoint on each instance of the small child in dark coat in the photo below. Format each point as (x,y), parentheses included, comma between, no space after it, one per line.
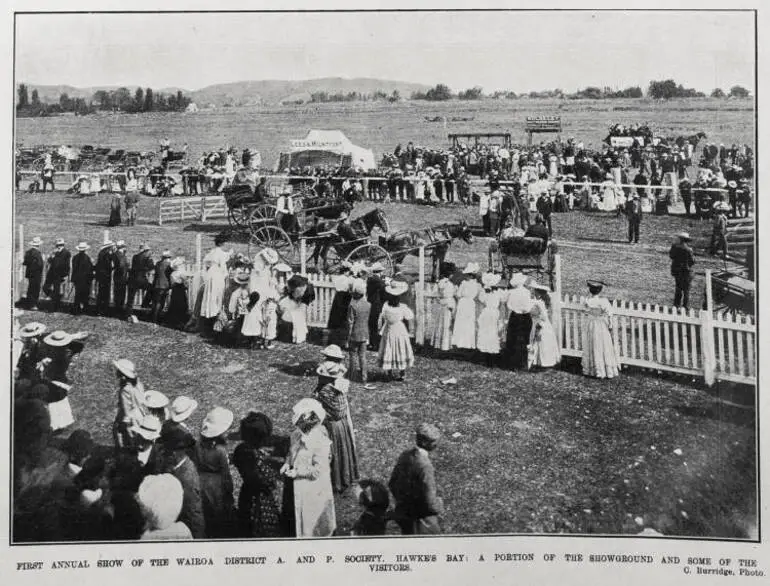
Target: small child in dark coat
(374,498)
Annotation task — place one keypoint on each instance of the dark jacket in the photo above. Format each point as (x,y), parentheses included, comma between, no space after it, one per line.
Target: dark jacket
(192,502)
(544,206)
(33,260)
(141,265)
(634,209)
(681,258)
(59,266)
(121,268)
(82,270)
(162,275)
(105,260)
(413,484)
(537,231)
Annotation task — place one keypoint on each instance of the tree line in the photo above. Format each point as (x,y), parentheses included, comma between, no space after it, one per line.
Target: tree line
(322,97)
(119,100)
(658,90)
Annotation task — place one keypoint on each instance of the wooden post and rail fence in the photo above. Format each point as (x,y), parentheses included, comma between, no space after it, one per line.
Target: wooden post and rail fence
(700,343)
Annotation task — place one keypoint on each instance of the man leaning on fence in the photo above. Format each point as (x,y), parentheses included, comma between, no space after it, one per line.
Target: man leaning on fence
(682,260)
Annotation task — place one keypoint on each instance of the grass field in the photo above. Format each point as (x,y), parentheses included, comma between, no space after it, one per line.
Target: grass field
(524,452)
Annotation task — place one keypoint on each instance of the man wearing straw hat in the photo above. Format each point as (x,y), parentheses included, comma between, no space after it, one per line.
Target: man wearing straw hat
(161,284)
(82,277)
(105,261)
(142,266)
(58,272)
(120,276)
(34,263)
(682,260)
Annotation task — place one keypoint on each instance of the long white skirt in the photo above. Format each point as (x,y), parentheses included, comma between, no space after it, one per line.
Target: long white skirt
(214,284)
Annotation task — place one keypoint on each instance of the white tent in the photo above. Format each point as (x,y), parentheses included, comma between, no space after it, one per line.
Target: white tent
(191,107)
(335,141)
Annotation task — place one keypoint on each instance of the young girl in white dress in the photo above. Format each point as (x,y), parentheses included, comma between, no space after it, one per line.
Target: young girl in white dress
(395,354)
(442,332)
(599,354)
(544,349)
(464,332)
(488,339)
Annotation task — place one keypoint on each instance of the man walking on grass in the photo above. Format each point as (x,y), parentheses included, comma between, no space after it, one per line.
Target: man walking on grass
(634,216)
(682,260)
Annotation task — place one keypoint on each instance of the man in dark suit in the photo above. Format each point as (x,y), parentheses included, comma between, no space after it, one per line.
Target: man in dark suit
(538,229)
(634,216)
(545,209)
(413,485)
(58,272)
(682,260)
(34,263)
(120,276)
(142,266)
(176,443)
(105,261)
(685,190)
(82,277)
(161,283)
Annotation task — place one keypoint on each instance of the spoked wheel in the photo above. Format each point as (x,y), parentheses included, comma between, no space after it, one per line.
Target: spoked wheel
(370,254)
(332,261)
(275,238)
(262,215)
(238,216)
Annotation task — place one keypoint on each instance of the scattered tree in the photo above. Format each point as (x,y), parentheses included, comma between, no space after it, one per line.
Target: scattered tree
(23,96)
(717,93)
(35,98)
(736,91)
(474,93)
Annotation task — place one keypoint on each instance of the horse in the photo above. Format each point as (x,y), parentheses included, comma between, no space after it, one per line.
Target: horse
(437,239)
(361,228)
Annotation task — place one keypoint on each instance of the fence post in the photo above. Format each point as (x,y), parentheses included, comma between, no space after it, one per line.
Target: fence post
(203,209)
(419,333)
(160,213)
(197,275)
(556,300)
(302,257)
(707,335)
(106,237)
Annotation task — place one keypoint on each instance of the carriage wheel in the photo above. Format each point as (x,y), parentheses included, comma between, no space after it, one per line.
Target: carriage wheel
(238,216)
(262,215)
(370,254)
(332,261)
(275,238)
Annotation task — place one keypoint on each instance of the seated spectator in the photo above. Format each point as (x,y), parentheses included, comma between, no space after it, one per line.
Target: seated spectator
(538,229)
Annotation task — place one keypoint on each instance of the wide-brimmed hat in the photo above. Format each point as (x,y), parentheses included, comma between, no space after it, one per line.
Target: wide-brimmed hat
(107,244)
(120,244)
(167,254)
(59,242)
(149,428)
(490,279)
(155,399)
(358,267)
(217,422)
(181,408)
(377,267)
(282,267)
(333,351)
(732,184)
(242,278)
(593,283)
(126,367)
(518,279)
(58,338)
(270,255)
(36,241)
(306,406)
(722,206)
(32,329)
(397,288)
(684,236)
(82,246)
(471,268)
(331,369)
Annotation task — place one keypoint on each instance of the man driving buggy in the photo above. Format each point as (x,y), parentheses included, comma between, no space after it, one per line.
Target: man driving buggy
(343,232)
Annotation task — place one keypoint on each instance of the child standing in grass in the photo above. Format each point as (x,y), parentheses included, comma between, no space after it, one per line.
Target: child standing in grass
(252,323)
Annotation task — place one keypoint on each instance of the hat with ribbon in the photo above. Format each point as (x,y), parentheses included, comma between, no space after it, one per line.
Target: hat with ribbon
(307,406)
(155,399)
(82,246)
(217,422)
(333,351)
(58,338)
(36,241)
(32,329)
(181,408)
(490,279)
(270,255)
(397,288)
(125,367)
(149,428)
(331,369)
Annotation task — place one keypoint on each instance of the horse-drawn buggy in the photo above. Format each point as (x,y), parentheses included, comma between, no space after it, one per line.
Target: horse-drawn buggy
(513,252)
(732,293)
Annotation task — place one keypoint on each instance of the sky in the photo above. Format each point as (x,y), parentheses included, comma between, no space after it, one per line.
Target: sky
(519,51)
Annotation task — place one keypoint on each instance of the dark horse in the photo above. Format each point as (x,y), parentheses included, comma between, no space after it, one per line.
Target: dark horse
(360,228)
(437,239)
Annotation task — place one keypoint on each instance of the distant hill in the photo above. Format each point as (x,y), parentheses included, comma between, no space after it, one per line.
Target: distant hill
(269,92)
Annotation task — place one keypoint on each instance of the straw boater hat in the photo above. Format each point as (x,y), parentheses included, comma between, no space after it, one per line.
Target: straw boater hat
(397,288)
(120,244)
(59,242)
(242,279)
(32,329)
(181,408)
(58,338)
(282,267)
(684,236)
(149,428)
(490,279)
(217,422)
(732,184)
(331,369)
(306,406)
(377,267)
(270,256)
(36,241)
(107,244)
(155,399)
(518,279)
(125,367)
(82,246)
(333,351)
(471,268)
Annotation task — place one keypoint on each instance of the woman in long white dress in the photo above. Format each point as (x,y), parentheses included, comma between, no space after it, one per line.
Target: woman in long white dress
(308,496)
(488,339)
(442,332)
(608,194)
(214,280)
(464,332)
(544,349)
(395,353)
(599,354)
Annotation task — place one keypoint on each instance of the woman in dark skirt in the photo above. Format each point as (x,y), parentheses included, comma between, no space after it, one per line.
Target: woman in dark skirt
(330,392)
(258,513)
(115,206)
(338,314)
(519,303)
(178,307)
